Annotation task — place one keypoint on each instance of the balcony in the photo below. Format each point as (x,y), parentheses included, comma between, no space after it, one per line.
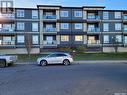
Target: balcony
(7,43)
(93,42)
(93,30)
(125,30)
(49,29)
(7,17)
(50,43)
(51,17)
(93,18)
(125,17)
(7,31)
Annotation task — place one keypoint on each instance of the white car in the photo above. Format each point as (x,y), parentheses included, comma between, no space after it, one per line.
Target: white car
(5,60)
(63,58)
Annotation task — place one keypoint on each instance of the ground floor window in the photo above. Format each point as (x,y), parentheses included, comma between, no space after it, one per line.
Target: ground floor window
(78,38)
(65,38)
(20,39)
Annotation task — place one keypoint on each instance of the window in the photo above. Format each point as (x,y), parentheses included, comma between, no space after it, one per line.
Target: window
(117,15)
(125,39)
(91,15)
(64,38)
(34,14)
(20,13)
(34,26)
(125,28)
(20,26)
(20,38)
(91,27)
(78,38)
(106,39)
(117,26)
(78,26)
(35,39)
(78,13)
(105,26)
(105,15)
(64,26)
(64,13)
(119,38)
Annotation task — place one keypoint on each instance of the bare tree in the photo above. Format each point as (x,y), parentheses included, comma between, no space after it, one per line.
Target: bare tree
(28,43)
(115,44)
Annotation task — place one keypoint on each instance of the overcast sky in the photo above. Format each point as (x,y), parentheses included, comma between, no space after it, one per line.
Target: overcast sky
(109,4)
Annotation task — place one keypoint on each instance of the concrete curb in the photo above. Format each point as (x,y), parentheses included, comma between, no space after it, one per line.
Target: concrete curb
(84,62)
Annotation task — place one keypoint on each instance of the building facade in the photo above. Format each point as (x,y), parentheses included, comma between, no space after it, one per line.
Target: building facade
(49,27)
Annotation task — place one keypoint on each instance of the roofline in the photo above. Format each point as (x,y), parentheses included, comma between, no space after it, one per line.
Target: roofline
(94,6)
(48,6)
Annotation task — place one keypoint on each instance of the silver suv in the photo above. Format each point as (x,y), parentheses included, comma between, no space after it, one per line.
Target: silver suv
(60,58)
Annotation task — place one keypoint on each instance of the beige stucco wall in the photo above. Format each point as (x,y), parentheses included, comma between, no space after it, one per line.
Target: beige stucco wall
(19,51)
(111,49)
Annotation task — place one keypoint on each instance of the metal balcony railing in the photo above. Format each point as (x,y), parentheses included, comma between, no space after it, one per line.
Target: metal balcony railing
(49,17)
(90,42)
(7,16)
(93,30)
(49,29)
(93,17)
(4,30)
(7,43)
(50,43)
(125,17)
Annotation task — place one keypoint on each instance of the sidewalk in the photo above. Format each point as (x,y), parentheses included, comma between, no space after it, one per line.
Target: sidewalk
(85,61)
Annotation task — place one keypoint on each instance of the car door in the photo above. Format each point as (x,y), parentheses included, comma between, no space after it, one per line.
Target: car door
(52,59)
(59,58)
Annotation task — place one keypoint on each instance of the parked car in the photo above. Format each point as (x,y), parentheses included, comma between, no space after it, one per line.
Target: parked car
(54,58)
(6,60)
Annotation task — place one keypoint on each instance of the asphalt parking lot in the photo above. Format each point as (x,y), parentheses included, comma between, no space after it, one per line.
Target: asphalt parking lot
(76,79)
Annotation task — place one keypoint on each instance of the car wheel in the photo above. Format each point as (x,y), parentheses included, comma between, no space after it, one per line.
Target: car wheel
(2,63)
(43,63)
(66,62)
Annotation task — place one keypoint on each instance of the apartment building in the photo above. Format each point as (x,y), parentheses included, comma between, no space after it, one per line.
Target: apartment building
(49,27)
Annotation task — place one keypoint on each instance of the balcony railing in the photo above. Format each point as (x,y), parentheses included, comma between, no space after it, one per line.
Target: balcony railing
(49,29)
(49,17)
(3,30)
(93,30)
(125,30)
(125,17)
(93,17)
(50,43)
(7,43)
(91,42)
(7,16)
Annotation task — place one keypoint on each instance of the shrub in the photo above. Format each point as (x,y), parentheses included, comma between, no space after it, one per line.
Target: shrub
(80,49)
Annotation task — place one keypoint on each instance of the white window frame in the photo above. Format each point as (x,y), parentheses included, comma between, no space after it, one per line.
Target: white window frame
(20,13)
(78,26)
(106,39)
(64,13)
(105,15)
(20,26)
(64,38)
(105,26)
(64,25)
(118,15)
(35,39)
(34,26)
(77,13)
(34,14)
(79,38)
(118,26)
(20,39)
